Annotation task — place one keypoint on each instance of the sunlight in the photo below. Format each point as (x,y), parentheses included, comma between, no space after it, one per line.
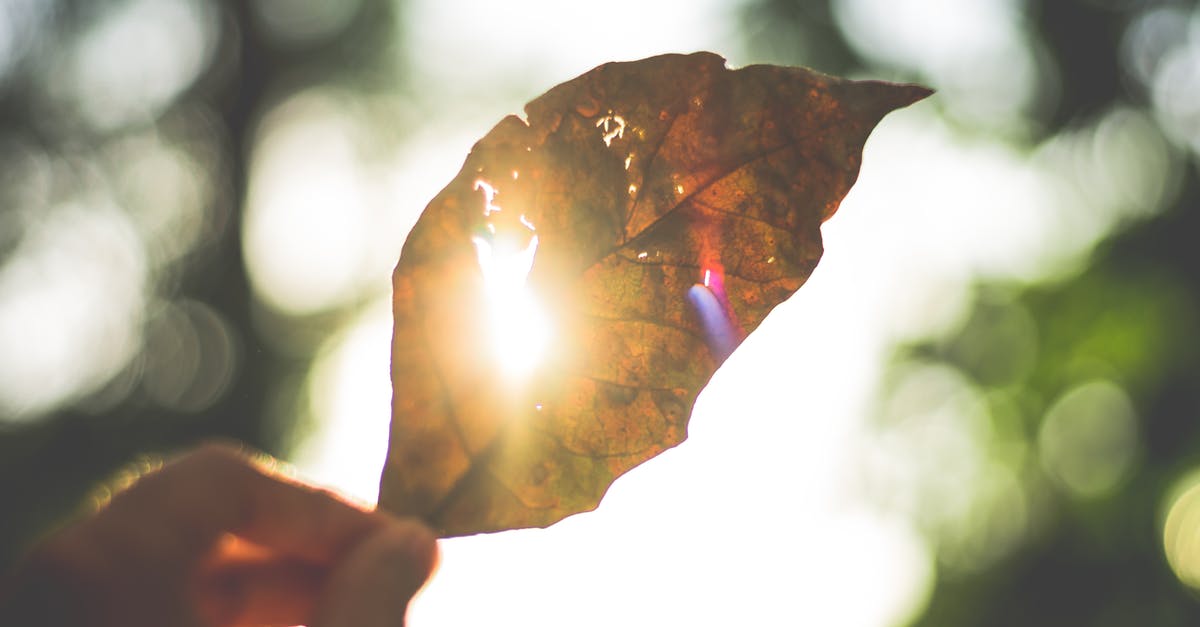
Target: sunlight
(349,395)
(489,194)
(518,328)
(614,128)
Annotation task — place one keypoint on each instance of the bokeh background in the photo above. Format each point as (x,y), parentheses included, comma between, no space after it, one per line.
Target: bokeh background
(983,409)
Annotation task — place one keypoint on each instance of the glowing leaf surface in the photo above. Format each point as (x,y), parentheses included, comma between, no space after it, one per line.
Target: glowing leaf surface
(561,303)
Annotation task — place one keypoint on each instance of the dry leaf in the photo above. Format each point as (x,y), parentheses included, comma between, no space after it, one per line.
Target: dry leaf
(560,304)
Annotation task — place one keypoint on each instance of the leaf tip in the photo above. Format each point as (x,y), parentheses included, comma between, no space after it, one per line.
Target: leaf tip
(899,95)
(915,93)
(875,99)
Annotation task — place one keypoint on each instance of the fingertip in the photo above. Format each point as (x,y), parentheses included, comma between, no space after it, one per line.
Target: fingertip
(421,540)
(406,540)
(376,581)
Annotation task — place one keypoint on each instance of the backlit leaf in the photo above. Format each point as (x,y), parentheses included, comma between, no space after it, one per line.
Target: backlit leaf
(561,303)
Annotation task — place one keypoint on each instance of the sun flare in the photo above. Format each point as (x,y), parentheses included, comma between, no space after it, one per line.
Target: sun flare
(518,328)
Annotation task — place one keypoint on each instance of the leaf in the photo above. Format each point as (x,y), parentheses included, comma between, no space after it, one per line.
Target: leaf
(550,332)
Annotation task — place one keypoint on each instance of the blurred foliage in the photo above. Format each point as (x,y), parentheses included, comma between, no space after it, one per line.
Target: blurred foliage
(1085,389)
(69,137)
(1130,318)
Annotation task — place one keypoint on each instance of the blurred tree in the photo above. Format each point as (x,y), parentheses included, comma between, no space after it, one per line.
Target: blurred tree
(1090,553)
(231,60)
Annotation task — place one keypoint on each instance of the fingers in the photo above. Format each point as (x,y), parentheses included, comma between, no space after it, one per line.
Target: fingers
(214,532)
(262,591)
(304,544)
(215,490)
(373,586)
(373,582)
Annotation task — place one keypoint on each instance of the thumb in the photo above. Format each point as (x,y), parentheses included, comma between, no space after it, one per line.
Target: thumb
(373,585)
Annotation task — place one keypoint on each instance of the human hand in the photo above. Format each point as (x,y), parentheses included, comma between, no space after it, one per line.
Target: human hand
(214,539)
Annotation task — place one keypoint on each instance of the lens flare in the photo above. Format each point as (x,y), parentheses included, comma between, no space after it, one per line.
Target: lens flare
(711,304)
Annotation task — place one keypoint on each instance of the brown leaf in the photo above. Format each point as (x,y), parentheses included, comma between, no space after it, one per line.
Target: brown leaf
(518,400)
